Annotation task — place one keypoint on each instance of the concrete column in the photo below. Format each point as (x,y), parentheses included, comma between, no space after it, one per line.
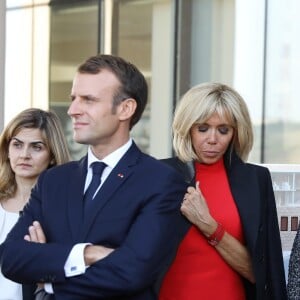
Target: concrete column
(2,59)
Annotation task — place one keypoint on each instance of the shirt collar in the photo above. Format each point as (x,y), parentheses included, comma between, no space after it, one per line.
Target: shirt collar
(111,159)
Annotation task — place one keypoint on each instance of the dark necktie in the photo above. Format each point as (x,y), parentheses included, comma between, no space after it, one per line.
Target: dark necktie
(98,168)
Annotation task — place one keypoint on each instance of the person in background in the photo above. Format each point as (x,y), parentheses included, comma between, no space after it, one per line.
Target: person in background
(293,286)
(30,143)
(233,248)
(109,238)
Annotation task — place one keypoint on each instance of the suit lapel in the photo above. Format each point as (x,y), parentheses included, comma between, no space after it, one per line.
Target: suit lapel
(245,191)
(75,197)
(116,178)
(187,169)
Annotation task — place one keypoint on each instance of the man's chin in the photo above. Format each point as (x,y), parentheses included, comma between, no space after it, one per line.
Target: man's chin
(80,141)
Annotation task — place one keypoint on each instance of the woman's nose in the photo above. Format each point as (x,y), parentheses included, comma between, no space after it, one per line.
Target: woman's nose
(25,152)
(212,137)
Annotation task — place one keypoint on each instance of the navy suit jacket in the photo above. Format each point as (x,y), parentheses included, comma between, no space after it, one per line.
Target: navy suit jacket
(252,190)
(28,291)
(136,212)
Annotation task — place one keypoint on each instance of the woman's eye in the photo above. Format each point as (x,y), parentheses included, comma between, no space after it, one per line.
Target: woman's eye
(17,145)
(202,128)
(37,147)
(223,130)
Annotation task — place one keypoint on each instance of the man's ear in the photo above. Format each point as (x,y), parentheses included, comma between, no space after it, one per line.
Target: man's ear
(126,109)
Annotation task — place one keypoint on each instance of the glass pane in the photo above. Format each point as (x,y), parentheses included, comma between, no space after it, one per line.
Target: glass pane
(132,41)
(22,3)
(74,37)
(220,48)
(17,3)
(284,224)
(282,82)
(40,65)
(212,41)
(294,223)
(18,61)
(142,30)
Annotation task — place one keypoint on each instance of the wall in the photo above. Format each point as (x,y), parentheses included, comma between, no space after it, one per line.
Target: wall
(2,55)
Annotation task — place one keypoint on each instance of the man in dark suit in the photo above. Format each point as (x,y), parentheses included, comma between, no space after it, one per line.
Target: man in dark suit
(120,245)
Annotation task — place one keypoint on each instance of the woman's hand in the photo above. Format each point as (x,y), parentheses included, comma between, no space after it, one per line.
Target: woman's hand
(195,209)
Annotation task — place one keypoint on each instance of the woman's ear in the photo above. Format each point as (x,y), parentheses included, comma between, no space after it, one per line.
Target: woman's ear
(126,109)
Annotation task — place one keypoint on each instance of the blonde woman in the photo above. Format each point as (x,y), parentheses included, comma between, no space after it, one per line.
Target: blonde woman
(32,142)
(232,249)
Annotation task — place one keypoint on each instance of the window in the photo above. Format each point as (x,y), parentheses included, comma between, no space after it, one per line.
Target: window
(142,31)
(27,51)
(294,223)
(282,74)
(284,224)
(74,37)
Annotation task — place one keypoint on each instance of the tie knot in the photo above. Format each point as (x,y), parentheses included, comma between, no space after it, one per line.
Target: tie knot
(98,167)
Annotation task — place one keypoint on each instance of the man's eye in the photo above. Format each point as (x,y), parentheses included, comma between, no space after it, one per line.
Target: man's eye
(89,99)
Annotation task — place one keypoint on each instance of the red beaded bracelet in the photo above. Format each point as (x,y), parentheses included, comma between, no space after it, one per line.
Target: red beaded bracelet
(216,237)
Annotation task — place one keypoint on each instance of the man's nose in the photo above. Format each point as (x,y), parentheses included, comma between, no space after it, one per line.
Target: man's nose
(74,108)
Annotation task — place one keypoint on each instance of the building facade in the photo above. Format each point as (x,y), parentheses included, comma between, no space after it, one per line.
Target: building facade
(252,45)
(286,186)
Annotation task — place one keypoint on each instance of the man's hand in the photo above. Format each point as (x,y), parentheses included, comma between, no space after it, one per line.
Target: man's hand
(35,233)
(93,253)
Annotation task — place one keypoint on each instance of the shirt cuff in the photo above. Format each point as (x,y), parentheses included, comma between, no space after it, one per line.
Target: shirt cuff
(48,288)
(75,262)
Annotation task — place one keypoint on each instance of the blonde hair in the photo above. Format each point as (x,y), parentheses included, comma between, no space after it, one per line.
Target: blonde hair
(198,105)
(52,133)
